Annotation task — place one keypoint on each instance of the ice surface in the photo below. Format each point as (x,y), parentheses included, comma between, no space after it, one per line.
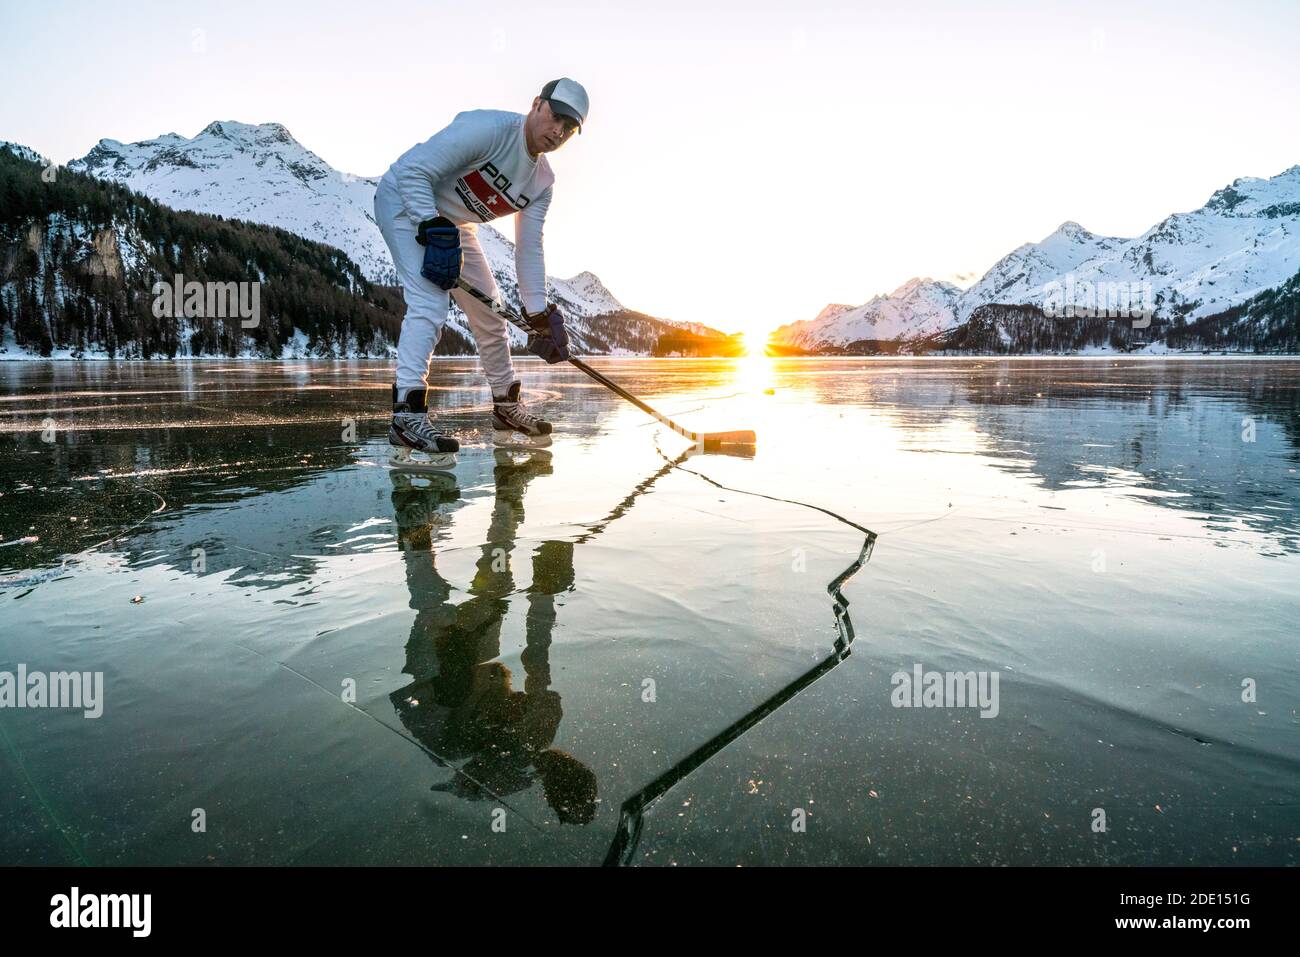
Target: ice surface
(549,637)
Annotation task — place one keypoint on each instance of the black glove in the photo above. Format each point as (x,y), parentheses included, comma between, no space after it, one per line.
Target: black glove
(549,339)
(442,256)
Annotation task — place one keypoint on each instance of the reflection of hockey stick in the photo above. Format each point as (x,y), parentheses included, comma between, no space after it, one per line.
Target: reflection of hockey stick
(711,441)
(632,813)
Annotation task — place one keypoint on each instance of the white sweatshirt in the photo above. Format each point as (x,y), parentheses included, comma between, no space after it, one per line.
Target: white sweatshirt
(477,169)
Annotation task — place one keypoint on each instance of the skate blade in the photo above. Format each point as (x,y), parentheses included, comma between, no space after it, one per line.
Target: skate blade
(441,483)
(402,460)
(529,457)
(503,439)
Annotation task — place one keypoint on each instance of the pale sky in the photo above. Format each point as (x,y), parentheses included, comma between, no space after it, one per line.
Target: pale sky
(745,163)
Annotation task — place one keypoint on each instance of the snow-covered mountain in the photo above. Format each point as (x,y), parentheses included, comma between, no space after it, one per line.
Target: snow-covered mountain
(1243,241)
(24,152)
(260,173)
(257,173)
(919,307)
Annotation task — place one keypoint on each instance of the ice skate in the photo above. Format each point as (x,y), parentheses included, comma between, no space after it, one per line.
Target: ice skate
(418,445)
(514,427)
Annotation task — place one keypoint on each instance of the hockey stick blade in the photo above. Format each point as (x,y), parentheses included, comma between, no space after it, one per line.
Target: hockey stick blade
(719,440)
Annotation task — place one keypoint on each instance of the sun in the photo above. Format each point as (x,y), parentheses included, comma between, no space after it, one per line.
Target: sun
(755,342)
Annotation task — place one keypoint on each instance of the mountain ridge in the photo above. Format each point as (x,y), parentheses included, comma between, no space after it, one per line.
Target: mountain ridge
(1243,242)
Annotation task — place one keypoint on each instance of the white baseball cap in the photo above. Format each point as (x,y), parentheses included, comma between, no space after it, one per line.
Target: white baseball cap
(567,98)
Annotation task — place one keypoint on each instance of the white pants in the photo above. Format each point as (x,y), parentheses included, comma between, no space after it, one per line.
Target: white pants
(427,305)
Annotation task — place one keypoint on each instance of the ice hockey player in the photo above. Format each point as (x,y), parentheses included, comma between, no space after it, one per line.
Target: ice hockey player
(485,164)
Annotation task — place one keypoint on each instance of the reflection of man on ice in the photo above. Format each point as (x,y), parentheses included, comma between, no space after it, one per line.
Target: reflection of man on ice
(462,703)
(485,164)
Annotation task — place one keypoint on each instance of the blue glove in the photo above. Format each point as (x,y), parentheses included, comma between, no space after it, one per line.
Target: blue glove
(550,340)
(442,256)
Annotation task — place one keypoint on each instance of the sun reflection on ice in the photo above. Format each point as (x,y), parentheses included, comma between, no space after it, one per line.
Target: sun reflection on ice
(740,391)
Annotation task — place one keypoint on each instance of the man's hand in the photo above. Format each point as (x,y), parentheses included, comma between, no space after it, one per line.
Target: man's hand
(549,340)
(442,256)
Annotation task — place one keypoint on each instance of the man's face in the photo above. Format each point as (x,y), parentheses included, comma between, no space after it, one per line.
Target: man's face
(547,131)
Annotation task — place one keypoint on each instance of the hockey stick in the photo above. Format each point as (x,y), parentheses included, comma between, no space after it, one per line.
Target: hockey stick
(709,441)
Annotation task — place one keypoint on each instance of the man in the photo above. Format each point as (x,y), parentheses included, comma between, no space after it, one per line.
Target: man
(486,164)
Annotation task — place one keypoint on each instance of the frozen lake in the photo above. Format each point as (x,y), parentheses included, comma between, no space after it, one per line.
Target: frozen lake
(622,652)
